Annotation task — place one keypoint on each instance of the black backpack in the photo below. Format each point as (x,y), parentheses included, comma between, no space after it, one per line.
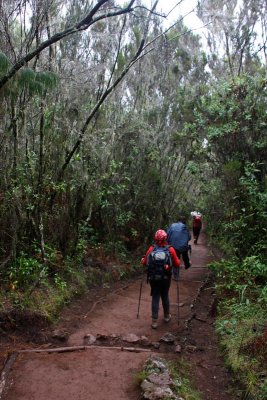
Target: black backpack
(159,264)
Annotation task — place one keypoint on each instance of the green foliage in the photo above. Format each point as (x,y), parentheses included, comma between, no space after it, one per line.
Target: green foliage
(233,124)
(182,376)
(241,329)
(245,280)
(42,289)
(137,35)
(36,82)
(59,282)
(24,271)
(140,376)
(5,64)
(192,167)
(180,373)
(246,229)
(121,61)
(233,117)
(242,288)
(87,235)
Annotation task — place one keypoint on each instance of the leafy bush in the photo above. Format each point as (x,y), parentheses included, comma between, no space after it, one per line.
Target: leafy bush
(246,280)
(246,229)
(26,270)
(241,323)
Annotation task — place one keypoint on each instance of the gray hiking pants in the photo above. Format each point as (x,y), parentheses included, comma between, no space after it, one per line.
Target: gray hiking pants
(160,290)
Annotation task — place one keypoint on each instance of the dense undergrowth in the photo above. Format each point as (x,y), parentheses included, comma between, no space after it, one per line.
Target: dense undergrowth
(39,289)
(241,323)
(241,277)
(236,204)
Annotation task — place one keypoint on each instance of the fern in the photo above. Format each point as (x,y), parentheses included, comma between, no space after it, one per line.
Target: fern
(48,79)
(36,82)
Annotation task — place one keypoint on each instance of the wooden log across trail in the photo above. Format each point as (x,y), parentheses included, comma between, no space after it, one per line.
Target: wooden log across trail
(77,348)
(11,358)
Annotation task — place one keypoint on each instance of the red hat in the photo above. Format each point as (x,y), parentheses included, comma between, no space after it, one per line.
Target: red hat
(160,235)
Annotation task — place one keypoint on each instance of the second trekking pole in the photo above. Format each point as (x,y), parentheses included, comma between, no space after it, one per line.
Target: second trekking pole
(178,301)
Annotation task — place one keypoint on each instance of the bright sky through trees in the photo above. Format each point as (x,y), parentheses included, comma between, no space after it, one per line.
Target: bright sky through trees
(174,9)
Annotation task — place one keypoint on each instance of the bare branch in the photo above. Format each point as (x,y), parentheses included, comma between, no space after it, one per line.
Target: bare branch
(82,25)
(103,97)
(167,30)
(91,116)
(191,30)
(173,8)
(118,52)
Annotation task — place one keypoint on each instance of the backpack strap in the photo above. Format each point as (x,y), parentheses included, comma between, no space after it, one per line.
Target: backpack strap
(168,247)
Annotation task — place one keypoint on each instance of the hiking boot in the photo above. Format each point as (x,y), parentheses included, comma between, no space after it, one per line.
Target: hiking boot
(195,241)
(188,266)
(167,318)
(154,324)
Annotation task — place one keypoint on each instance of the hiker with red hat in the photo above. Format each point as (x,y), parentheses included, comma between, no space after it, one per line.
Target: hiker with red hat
(160,258)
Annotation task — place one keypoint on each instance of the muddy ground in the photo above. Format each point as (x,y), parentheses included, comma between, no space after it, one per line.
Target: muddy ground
(97,328)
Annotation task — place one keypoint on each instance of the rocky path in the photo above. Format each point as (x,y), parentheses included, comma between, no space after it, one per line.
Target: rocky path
(110,345)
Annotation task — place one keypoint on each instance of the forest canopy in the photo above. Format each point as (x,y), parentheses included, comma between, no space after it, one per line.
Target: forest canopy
(112,123)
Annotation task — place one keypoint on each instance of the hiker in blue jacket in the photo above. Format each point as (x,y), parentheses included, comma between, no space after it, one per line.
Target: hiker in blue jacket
(178,237)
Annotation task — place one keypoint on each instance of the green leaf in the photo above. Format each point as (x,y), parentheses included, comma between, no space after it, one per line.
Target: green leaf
(5,64)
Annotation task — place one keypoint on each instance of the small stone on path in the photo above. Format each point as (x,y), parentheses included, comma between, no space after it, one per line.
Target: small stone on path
(60,335)
(131,338)
(89,339)
(168,338)
(178,348)
(100,336)
(191,349)
(114,336)
(145,341)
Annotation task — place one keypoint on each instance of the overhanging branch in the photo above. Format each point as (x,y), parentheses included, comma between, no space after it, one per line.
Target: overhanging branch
(84,24)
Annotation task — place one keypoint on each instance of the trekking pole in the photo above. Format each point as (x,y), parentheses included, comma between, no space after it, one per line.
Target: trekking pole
(140,292)
(178,302)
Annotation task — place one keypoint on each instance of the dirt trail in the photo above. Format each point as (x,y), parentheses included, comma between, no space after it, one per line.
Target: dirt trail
(104,374)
